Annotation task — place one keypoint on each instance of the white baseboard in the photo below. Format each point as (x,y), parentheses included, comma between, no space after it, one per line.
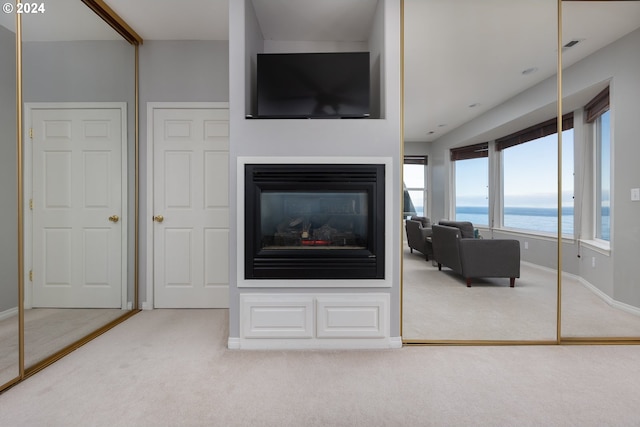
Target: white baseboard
(314,344)
(606,298)
(6,314)
(147,306)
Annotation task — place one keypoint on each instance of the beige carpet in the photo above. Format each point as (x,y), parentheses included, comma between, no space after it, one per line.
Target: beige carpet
(437,305)
(171,368)
(47,330)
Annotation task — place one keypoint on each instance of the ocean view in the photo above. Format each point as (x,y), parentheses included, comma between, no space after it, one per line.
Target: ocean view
(536,219)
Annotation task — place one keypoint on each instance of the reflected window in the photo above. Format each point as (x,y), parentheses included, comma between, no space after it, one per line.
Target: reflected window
(415,185)
(471,165)
(603,180)
(597,113)
(529,178)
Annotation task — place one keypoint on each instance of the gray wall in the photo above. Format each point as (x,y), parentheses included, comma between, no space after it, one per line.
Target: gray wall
(616,273)
(8,171)
(176,71)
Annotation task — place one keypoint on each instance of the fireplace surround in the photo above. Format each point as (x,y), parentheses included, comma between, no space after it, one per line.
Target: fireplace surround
(314,221)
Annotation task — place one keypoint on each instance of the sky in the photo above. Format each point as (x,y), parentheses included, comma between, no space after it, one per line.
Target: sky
(530,172)
(530,175)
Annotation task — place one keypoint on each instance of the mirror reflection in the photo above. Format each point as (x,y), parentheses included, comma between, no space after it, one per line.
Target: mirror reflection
(601,88)
(481,148)
(78,89)
(8,207)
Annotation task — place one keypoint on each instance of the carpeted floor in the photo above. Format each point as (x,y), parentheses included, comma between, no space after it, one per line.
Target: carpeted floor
(47,330)
(437,305)
(172,368)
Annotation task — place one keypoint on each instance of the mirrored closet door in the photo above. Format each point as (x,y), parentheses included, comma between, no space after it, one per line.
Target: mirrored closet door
(601,88)
(79,170)
(68,107)
(9,328)
(480,103)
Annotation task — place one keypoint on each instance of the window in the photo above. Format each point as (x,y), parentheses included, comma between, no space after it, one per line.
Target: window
(529,178)
(471,166)
(597,112)
(415,184)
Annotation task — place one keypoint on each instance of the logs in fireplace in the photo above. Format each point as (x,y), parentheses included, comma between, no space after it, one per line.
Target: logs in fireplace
(314,221)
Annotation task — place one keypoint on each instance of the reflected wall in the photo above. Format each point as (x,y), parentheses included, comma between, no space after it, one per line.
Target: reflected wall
(9,337)
(602,300)
(79,114)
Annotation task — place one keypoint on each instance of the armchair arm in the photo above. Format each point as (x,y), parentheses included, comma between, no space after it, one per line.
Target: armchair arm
(490,258)
(426,232)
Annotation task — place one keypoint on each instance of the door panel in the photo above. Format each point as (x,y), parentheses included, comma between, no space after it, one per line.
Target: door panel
(77,186)
(191,243)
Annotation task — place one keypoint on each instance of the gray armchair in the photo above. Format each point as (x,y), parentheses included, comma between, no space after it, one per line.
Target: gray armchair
(455,247)
(418,231)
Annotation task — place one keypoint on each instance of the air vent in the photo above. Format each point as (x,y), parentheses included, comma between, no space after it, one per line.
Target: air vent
(572,43)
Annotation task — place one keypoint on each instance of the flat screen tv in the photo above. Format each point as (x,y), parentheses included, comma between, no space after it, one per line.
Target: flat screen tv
(313,85)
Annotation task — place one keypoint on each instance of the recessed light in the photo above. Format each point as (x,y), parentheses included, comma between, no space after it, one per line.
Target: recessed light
(474,105)
(442,125)
(430,132)
(529,71)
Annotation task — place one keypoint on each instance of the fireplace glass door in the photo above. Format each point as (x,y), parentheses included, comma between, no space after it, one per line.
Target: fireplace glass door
(313,220)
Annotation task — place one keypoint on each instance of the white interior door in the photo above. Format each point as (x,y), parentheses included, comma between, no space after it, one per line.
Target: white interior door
(191,208)
(77,205)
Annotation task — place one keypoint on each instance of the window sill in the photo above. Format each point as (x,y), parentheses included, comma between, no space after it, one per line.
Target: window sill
(601,246)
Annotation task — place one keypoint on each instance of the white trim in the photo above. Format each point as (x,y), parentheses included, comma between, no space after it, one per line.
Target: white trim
(389,226)
(151,106)
(606,298)
(28,188)
(7,314)
(309,344)
(601,246)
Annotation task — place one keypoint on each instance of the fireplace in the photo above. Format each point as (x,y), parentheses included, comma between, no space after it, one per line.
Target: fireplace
(314,221)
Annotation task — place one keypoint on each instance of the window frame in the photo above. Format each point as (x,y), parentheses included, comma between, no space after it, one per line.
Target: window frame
(530,134)
(471,152)
(418,160)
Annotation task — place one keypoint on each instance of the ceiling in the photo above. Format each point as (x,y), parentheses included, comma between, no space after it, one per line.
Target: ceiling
(462,57)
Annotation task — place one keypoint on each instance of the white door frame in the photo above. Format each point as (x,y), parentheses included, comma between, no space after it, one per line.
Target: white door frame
(151,106)
(28,186)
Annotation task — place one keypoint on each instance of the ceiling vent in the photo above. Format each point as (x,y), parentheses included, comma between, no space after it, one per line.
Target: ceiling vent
(571,44)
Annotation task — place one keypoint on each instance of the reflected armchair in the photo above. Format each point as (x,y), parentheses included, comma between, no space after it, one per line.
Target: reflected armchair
(455,247)
(419,235)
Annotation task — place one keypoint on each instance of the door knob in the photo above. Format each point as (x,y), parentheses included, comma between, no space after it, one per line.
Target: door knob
(158,218)
(114,218)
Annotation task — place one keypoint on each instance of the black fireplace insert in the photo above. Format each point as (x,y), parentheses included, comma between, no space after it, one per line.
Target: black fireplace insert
(314,221)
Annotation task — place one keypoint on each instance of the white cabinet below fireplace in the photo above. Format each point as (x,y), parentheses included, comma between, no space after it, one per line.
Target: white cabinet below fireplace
(320,321)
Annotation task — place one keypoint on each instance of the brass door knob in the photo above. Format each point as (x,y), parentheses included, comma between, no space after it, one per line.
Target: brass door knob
(114,218)
(158,218)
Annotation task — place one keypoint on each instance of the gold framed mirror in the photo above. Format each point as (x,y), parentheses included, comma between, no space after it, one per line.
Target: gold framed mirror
(480,90)
(76,179)
(600,87)
(9,294)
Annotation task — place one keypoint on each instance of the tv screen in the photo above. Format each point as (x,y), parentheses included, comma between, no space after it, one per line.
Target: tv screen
(313,85)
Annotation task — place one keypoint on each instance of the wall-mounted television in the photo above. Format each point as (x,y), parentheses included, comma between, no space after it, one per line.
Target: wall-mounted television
(313,85)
